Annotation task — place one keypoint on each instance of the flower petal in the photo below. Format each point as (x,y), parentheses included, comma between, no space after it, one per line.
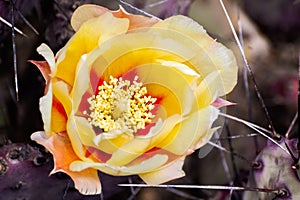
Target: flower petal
(86,39)
(125,52)
(141,144)
(46,52)
(152,163)
(178,82)
(88,11)
(86,181)
(44,69)
(211,55)
(167,173)
(219,103)
(46,109)
(61,92)
(188,133)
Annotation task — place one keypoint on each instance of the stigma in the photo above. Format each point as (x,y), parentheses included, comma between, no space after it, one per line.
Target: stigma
(121,105)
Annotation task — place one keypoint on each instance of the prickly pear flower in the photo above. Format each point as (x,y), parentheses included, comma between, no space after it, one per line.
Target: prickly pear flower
(131,95)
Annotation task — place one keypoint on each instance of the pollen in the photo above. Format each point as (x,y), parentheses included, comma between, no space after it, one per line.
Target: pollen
(121,105)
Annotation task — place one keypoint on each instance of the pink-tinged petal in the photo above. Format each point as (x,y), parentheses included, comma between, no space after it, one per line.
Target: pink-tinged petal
(219,103)
(44,69)
(97,155)
(86,181)
(167,173)
(88,11)
(152,152)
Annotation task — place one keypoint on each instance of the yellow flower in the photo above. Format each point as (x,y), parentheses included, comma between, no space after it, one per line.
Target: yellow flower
(131,95)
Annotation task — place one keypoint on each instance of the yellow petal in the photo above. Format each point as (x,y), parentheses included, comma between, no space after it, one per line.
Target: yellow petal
(151,164)
(210,56)
(208,89)
(61,91)
(125,52)
(88,11)
(81,83)
(86,181)
(73,133)
(140,144)
(46,52)
(46,109)
(85,40)
(58,117)
(111,144)
(167,173)
(174,80)
(106,142)
(85,13)
(84,130)
(188,133)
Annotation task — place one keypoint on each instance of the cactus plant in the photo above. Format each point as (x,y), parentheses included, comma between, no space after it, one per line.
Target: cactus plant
(275,169)
(24,173)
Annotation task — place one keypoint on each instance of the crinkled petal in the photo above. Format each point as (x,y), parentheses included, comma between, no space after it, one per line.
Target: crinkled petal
(86,181)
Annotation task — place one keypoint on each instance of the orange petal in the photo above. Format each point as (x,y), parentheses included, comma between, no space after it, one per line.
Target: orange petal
(86,181)
(88,11)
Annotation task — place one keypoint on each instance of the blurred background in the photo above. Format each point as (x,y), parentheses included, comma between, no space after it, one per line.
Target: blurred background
(271,37)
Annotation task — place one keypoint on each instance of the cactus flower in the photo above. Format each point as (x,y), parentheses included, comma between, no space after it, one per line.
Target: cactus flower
(130,95)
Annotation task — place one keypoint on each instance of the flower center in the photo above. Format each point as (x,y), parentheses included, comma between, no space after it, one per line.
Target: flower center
(121,105)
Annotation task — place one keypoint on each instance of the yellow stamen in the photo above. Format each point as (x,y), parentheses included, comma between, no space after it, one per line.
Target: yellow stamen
(121,105)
